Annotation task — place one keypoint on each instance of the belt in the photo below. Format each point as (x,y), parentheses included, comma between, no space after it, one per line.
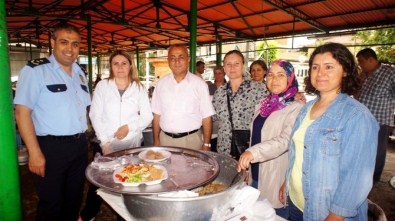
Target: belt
(179,135)
(67,137)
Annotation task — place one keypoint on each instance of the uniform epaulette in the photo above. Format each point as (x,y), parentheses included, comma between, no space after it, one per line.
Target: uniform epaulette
(37,62)
(83,69)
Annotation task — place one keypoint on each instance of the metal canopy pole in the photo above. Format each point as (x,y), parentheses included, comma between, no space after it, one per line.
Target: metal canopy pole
(30,51)
(89,41)
(49,43)
(98,63)
(138,60)
(192,34)
(219,50)
(10,200)
(147,73)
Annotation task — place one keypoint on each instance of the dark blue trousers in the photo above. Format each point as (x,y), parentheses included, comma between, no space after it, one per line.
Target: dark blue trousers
(60,191)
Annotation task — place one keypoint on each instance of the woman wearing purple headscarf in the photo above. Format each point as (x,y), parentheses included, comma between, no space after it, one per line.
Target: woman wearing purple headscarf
(271,129)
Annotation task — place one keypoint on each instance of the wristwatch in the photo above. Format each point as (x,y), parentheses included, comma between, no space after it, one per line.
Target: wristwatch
(207,145)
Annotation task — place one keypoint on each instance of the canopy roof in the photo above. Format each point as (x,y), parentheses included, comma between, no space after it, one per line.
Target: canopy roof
(149,24)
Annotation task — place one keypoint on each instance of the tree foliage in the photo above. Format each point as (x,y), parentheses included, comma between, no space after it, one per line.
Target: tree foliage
(385,41)
(142,67)
(268,52)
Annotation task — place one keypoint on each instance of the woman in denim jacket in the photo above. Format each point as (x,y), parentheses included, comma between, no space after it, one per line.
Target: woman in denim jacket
(333,147)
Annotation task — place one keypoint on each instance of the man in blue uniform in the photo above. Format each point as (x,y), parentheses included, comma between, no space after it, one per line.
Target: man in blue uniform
(51,103)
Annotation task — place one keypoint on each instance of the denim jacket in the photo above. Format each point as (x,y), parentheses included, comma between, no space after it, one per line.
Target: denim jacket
(338,160)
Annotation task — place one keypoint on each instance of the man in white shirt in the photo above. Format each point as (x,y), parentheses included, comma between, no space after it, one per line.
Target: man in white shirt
(181,105)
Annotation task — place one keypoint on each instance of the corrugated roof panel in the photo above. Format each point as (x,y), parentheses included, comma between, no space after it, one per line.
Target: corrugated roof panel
(279,28)
(315,10)
(334,21)
(235,24)
(255,6)
(279,17)
(372,16)
(258,20)
(340,6)
(248,7)
(227,9)
(214,14)
(261,18)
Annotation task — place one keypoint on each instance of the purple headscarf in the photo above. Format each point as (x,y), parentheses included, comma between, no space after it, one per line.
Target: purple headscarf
(275,102)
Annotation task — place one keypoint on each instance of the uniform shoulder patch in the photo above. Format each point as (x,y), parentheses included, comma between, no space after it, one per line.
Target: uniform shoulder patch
(37,62)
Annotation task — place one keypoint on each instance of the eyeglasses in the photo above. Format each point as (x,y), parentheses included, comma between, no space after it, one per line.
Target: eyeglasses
(175,58)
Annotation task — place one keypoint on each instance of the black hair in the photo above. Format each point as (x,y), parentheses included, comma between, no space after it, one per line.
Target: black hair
(260,63)
(350,83)
(64,26)
(367,53)
(199,63)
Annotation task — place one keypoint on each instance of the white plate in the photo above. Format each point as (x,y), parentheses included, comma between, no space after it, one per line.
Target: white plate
(153,182)
(392,181)
(166,155)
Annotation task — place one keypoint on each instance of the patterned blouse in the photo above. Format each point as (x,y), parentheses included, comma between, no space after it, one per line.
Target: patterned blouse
(243,102)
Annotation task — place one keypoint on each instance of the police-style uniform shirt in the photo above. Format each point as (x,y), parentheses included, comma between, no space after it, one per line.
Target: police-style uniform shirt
(58,102)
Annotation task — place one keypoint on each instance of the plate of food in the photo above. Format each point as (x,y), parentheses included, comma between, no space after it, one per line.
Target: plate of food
(153,156)
(137,174)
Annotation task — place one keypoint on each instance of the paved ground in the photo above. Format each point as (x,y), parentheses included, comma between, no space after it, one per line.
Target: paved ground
(382,193)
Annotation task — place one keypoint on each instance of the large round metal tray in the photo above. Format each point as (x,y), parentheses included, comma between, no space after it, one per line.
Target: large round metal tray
(187,169)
